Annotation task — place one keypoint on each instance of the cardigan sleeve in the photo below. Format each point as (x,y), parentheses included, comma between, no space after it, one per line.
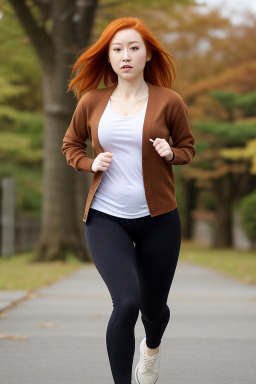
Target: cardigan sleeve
(74,142)
(183,140)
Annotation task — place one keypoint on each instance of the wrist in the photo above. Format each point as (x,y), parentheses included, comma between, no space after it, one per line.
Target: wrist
(91,167)
(170,157)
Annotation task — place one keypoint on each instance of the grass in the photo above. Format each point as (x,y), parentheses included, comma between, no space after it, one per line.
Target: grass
(240,264)
(17,273)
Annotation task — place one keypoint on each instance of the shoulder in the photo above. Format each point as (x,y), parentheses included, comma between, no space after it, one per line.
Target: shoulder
(168,98)
(97,92)
(93,96)
(166,92)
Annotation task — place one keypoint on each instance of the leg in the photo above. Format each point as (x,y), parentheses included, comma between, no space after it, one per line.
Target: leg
(114,256)
(157,248)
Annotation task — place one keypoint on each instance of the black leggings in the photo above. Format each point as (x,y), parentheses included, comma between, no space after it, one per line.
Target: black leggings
(138,277)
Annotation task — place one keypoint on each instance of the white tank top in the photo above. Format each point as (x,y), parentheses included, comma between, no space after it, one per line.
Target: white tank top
(121,190)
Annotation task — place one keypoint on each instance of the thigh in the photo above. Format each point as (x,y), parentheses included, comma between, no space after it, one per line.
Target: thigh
(113,253)
(158,242)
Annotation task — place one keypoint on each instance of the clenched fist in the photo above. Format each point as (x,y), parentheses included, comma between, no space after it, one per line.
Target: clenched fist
(163,148)
(102,161)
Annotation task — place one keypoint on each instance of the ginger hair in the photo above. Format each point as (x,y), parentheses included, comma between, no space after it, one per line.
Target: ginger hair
(92,65)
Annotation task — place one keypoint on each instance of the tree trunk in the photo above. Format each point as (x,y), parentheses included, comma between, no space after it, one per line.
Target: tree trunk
(63,203)
(82,185)
(190,195)
(57,49)
(60,232)
(223,225)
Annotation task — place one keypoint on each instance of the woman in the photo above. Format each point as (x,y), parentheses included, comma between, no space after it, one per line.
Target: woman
(132,224)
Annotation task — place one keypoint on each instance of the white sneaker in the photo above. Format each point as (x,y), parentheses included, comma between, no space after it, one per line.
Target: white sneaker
(147,370)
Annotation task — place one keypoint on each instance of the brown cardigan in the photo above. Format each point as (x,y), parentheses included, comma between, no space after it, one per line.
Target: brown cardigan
(166,115)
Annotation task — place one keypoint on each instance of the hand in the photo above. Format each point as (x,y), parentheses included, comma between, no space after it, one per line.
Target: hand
(163,148)
(102,161)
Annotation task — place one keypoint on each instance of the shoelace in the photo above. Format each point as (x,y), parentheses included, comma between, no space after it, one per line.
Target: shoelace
(150,363)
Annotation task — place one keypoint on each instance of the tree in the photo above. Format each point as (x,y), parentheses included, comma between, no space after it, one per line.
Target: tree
(248,214)
(58,30)
(218,166)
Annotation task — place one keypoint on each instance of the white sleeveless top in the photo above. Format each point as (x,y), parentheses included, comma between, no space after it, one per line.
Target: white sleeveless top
(121,190)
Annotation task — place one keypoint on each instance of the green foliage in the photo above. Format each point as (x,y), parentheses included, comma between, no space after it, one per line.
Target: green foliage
(28,186)
(21,143)
(20,72)
(247,103)
(9,90)
(225,133)
(231,101)
(248,215)
(227,99)
(22,122)
(202,146)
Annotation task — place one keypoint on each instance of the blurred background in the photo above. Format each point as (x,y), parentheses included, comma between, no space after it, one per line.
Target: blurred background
(42,199)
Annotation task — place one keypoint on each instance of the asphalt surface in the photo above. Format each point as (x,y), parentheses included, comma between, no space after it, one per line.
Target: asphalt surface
(57,336)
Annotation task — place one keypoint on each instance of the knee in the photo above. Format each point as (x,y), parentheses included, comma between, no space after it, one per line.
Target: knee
(154,315)
(128,310)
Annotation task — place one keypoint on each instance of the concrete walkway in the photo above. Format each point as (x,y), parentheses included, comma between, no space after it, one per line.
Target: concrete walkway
(58,335)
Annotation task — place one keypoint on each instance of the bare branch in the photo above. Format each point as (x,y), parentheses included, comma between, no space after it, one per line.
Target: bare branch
(45,7)
(38,35)
(84,19)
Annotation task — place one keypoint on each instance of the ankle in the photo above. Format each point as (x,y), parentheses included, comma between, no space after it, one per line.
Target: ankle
(150,352)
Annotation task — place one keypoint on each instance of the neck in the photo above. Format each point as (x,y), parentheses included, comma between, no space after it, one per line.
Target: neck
(130,90)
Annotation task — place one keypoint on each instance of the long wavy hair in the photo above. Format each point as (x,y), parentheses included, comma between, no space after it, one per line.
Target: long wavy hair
(92,65)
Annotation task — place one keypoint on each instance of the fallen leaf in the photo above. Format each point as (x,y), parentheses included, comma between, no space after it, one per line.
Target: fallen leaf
(12,337)
(48,325)
(95,315)
(32,295)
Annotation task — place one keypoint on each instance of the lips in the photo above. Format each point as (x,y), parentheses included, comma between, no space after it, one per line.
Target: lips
(126,66)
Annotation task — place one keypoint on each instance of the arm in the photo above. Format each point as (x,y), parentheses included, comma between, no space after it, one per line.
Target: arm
(183,147)
(74,141)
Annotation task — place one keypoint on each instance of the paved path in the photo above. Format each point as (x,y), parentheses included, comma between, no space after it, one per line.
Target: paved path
(210,339)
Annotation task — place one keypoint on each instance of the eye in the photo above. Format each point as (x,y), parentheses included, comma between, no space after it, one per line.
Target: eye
(118,49)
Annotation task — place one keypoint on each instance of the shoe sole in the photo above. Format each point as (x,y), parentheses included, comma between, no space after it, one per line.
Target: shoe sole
(136,372)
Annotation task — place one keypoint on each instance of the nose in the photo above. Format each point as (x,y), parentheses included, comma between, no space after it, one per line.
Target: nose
(125,55)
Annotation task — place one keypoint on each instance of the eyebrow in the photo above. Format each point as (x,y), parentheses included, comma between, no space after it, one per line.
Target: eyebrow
(131,42)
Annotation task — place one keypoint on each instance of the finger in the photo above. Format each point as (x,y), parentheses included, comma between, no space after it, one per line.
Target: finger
(105,163)
(164,147)
(158,141)
(102,168)
(164,153)
(161,145)
(105,155)
(106,158)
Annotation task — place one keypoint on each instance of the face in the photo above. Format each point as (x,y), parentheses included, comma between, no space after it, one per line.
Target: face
(127,48)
